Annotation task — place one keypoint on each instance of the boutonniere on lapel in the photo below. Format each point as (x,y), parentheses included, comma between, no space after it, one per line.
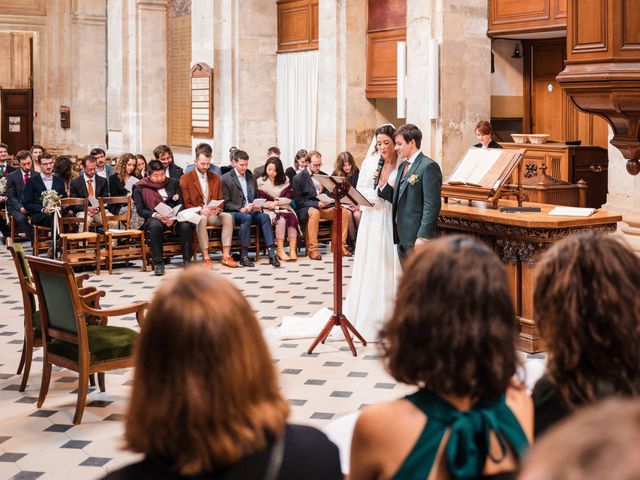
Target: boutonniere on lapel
(413,179)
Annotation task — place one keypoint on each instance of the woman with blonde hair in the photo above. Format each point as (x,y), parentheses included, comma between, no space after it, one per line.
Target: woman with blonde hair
(205,400)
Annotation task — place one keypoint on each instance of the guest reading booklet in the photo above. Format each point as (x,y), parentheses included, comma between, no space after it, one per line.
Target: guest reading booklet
(165,210)
(481,167)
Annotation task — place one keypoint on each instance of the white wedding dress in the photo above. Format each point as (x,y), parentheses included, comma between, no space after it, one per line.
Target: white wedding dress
(376,267)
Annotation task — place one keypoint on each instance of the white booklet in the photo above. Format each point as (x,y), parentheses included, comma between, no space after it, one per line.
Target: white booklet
(93,202)
(572,212)
(190,215)
(130,183)
(164,209)
(323,197)
(259,202)
(215,203)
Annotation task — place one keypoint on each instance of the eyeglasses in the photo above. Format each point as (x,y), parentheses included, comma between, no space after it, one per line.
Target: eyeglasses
(316,165)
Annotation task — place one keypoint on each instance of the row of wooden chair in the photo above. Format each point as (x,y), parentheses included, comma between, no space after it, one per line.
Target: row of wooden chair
(65,319)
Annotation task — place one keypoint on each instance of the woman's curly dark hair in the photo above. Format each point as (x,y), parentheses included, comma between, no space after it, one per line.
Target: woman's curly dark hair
(588,311)
(453,328)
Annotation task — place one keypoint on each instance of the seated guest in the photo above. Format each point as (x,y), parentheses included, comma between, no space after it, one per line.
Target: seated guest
(589,317)
(103,169)
(165,155)
(148,193)
(484,132)
(91,186)
(36,152)
(597,442)
(206,148)
(271,152)
(274,186)
(346,167)
(240,188)
(305,192)
(125,169)
(467,419)
(5,169)
(141,166)
(204,392)
(199,186)
(299,164)
(36,185)
(16,182)
(63,168)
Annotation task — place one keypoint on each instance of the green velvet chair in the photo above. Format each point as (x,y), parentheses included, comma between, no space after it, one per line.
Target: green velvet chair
(32,327)
(68,341)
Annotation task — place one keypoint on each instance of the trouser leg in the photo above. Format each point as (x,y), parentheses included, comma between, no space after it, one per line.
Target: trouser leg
(155,229)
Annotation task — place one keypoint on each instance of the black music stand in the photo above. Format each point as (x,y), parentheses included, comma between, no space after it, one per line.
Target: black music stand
(341,191)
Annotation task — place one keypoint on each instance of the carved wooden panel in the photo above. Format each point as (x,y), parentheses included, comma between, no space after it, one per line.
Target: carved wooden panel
(526,16)
(386,14)
(23,7)
(630,25)
(15,60)
(382,62)
(297,25)
(591,33)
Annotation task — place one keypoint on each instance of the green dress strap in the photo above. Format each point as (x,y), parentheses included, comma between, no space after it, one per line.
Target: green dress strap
(467,448)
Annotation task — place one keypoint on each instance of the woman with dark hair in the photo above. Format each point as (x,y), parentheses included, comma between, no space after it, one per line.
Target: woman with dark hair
(274,187)
(63,168)
(299,163)
(36,152)
(452,334)
(484,132)
(588,312)
(141,166)
(376,267)
(205,408)
(346,167)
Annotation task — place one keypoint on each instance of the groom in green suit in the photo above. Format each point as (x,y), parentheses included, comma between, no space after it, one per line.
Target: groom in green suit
(416,196)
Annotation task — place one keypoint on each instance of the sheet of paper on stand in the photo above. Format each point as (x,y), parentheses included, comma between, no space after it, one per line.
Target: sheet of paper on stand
(572,212)
(130,183)
(165,210)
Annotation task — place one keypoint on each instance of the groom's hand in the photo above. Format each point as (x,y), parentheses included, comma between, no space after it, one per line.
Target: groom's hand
(421,241)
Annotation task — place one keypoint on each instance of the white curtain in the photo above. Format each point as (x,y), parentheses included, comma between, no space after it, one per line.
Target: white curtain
(296,103)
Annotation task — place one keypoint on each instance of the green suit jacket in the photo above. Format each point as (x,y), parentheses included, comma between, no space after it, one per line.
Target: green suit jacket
(416,201)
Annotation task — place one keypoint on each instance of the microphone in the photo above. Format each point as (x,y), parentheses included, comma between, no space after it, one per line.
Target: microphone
(379,171)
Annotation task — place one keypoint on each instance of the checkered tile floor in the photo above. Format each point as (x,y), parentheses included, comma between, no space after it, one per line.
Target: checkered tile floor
(43,443)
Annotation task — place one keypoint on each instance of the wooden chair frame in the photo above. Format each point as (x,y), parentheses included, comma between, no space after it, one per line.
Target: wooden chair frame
(121,245)
(81,248)
(82,365)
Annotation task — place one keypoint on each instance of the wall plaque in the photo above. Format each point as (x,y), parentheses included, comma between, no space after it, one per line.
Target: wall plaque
(202,100)
(179,56)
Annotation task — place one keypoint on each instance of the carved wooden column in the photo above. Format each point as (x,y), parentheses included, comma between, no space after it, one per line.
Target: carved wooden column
(602,74)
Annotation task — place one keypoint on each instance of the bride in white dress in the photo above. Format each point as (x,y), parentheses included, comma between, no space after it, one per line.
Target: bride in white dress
(376,267)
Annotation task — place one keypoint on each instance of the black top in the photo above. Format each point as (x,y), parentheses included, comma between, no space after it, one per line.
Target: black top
(353,180)
(290,173)
(549,406)
(492,144)
(116,187)
(308,455)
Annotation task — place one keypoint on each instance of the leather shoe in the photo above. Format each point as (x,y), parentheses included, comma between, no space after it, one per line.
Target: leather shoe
(158,270)
(246,262)
(274,261)
(229,262)
(314,255)
(346,253)
(206,263)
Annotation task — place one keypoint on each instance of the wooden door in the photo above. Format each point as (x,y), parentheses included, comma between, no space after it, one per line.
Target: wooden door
(543,61)
(17,119)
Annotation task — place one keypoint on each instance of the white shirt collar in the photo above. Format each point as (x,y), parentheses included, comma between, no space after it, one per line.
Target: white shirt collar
(413,157)
(86,179)
(238,173)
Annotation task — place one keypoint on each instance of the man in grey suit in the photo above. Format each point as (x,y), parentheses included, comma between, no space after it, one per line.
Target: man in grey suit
(416,198)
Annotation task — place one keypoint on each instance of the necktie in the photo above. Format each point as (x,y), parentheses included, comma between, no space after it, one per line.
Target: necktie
(407,165)
(90,188)
(26,176)
(1,169)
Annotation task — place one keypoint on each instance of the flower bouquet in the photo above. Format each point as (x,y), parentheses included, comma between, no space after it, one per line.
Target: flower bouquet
(50,201)
(3,185)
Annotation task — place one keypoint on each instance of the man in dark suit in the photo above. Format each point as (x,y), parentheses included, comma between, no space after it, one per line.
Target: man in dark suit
(310,209)
(90,186)
(5,170)
(240,188)
(36,185)
(165,155)
(16,182)
(148,193)
(416,198)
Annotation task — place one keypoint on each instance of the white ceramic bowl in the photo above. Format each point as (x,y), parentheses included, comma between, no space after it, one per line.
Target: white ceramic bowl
(538,138)
(519,137)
